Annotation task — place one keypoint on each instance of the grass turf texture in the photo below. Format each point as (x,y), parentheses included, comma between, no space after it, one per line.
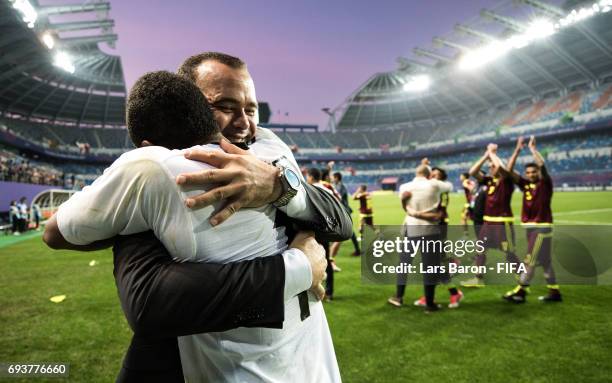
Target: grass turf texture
(486,340)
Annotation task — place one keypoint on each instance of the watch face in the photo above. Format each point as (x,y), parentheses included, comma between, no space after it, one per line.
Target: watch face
(292,179)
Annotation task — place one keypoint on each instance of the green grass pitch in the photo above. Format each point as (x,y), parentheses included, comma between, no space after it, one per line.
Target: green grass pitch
(486,340)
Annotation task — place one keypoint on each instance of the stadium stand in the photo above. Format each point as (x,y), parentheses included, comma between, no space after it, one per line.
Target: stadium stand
(71,122)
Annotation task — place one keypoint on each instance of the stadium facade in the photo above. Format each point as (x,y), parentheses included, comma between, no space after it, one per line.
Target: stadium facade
(523,67)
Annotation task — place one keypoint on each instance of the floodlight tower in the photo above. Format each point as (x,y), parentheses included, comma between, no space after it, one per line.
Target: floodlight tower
(331,122)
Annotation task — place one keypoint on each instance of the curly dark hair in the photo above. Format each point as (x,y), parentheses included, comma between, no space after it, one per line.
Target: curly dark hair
(187,68)
(443,174)
(168,110)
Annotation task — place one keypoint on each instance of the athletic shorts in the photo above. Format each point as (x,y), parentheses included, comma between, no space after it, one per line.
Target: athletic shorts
(539,246)
(497,235)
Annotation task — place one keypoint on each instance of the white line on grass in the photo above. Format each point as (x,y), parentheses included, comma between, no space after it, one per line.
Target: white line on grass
(594,223)
(580,212)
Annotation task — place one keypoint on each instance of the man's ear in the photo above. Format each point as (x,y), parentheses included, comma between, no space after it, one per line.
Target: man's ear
(145,143)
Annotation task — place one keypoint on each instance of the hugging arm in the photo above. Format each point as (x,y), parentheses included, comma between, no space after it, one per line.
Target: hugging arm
(162,298)
(56,241)
(247,181)
(431,215)
(330,220)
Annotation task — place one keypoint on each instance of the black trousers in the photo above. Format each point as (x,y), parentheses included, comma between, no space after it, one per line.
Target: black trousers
(355,242)
(23,223)
(430,256)
(152,360)
(329,271)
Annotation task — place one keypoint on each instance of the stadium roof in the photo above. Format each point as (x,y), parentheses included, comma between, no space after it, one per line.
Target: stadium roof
(52,67)
(473,68)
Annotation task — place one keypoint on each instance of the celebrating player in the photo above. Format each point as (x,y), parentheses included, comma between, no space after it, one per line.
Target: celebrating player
(366,214)
(455,295)
(537,188)
(469,186)
(497,231)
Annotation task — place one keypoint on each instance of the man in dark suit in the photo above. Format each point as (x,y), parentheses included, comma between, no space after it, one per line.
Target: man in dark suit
(163,299)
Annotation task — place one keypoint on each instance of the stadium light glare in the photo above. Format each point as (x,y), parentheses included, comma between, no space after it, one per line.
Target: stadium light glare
(64,61)
(488,53)
(27,11)
(417,83)
(48,40)
(537,29)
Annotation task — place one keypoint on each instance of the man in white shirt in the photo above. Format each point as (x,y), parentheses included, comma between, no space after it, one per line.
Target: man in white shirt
(136,194)
(420,198)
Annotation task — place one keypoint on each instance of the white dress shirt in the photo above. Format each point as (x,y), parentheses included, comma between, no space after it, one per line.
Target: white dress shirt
(425,196)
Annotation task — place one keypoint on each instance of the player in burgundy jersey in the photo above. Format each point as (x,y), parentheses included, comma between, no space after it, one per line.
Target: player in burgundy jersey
(456,295)
(469,187)
(497,231)
(536,216)
(366,214)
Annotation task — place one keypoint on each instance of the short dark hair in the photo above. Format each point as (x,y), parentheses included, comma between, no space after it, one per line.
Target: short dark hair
(188,67)
(338,175)
(168,110)
(324,174)
(364,186)
(315,173)
(465,175)
(531,165)
(442,172)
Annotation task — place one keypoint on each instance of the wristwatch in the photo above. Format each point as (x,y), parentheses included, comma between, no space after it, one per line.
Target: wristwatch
(290,182)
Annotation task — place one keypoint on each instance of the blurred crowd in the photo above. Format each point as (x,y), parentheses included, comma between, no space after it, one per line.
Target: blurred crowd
(18,169)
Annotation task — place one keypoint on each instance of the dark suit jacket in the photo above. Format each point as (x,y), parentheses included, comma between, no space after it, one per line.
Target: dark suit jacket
(163,299)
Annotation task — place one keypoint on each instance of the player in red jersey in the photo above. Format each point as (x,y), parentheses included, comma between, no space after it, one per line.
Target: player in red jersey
(497,231)
(468,186)
(536,216)
(456,295)
(366,214)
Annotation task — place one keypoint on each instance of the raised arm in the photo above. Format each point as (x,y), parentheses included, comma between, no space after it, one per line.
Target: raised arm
(517,150)
(475,169)
(537,157)
(502,168)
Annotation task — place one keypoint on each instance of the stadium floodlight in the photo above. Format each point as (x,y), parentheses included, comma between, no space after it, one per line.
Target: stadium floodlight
(479,57)
(48,40)
(539,29)
(64,61)
(27,11)
(602,6)
(536,30)
(418,83)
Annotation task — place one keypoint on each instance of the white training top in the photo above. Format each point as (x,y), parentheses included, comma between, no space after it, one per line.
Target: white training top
(138,192)
(425,196)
